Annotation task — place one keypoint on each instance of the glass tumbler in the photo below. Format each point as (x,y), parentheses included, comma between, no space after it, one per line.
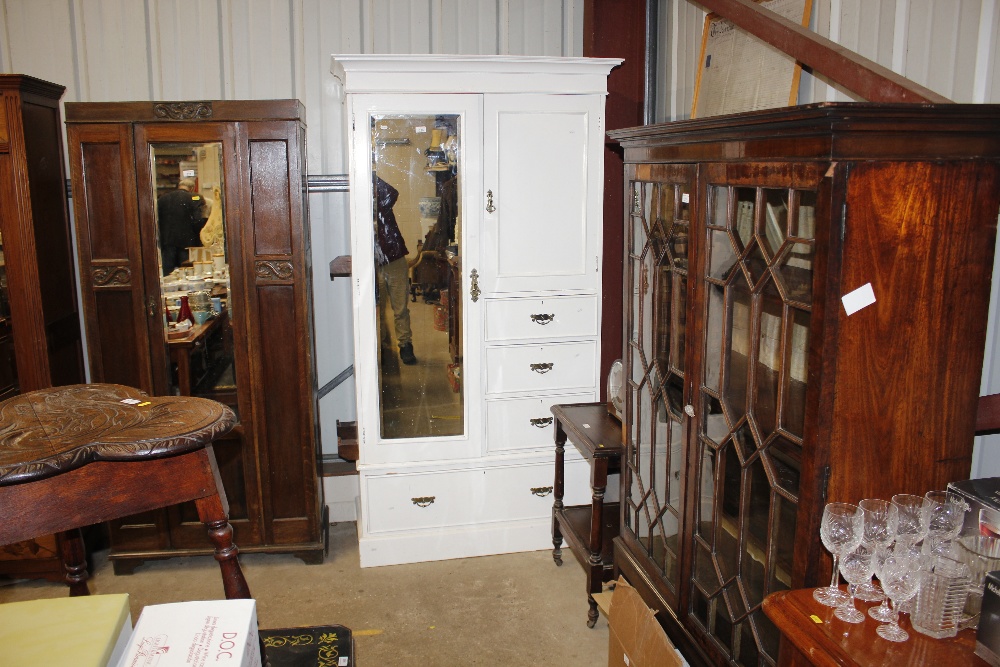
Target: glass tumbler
(981,553)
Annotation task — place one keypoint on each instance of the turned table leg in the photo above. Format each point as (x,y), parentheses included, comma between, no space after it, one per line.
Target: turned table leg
(213,515)
(74,558)
(595,561)
(559,489)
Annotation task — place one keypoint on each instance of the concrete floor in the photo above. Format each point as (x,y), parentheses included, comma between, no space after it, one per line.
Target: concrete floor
(510,610)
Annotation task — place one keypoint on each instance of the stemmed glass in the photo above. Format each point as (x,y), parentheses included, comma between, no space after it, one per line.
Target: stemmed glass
(910,528)
(857,569)
(880,519)
(900,580)
(883,612)
(942,518)
(841,530)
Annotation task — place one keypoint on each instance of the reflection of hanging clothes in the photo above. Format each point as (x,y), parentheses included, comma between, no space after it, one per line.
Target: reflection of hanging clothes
(448,213)
(443,231)
(389,245)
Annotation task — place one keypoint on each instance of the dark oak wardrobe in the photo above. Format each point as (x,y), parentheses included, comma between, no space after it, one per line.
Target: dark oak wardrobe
(247,159)
(39,317)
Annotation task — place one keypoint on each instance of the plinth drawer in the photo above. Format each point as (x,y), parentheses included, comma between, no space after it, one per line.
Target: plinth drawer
(412,501)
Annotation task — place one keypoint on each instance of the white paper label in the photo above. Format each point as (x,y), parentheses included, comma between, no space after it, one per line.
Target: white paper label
(860,298)
(685,198)
(420,129)
(343,661)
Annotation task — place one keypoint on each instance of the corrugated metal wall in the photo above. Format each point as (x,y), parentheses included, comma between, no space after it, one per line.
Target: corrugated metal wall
(237,49)
(112,50)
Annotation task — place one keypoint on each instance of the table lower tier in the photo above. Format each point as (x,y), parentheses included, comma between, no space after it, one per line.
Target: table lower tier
(574,524)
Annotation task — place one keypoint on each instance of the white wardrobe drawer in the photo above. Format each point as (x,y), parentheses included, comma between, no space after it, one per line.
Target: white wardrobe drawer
(556,317)
(529,368)
(424,500)
(526,492)
(463,497)
(524,423)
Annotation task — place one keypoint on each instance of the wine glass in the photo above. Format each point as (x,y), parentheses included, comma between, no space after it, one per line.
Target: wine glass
(900,580)
(841,530)
(942,517)
(910,526)
(883,612)
(857,569)
(880,519)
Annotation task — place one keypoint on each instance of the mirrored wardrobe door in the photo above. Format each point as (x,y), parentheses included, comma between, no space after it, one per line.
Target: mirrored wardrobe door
(185,203)
(415,255)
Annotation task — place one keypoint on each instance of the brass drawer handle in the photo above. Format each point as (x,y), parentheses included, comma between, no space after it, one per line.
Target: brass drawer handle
(541,422)
(542,368)
(423,501)
(541,491)
(490,208)
(543,318)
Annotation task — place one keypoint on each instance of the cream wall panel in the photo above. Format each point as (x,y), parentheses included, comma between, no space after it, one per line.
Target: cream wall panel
(469,27)
(941,38)
(185,51)
(262,39)
(38,38)
(401,26)
(111,37)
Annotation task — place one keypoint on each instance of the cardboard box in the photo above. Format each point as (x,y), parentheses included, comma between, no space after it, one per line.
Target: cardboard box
(988,632)
(635,638)
(220,633)
(85,631)
(983,498)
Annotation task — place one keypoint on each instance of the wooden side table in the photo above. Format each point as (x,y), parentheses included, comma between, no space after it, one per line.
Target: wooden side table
(82,454)
(588,529)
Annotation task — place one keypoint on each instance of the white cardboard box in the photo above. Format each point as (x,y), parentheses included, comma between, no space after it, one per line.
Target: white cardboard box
(216,633)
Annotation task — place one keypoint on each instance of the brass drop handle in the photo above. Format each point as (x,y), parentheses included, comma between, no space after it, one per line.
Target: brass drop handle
(542,369)
(541,491)
(541,422)
(423,501)
(474,291)
(490,208)
(543,318)
(151,306)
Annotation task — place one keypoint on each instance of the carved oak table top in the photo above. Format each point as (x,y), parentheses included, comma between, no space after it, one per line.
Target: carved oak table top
(52,431)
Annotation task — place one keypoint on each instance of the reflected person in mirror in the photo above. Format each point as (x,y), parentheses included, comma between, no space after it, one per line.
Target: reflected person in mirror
(391,269)
(180,216)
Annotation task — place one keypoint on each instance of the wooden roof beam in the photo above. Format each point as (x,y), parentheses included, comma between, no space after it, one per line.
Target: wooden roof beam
(858,74)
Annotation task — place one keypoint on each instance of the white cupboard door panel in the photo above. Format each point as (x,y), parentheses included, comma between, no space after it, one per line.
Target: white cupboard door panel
(524,423)
(424,500)
(543,171)
(537,368)
(557,317)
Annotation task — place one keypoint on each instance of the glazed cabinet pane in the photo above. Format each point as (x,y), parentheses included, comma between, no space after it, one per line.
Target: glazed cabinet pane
(756,283)
(657,284)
